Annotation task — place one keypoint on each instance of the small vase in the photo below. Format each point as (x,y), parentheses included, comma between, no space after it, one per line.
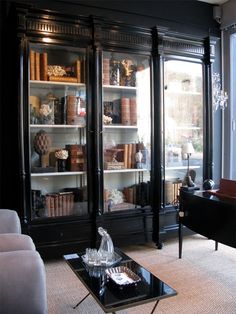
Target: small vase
(61,165)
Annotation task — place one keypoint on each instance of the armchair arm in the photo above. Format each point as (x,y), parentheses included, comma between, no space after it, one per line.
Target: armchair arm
(9,221)
(22,283)
(15,242)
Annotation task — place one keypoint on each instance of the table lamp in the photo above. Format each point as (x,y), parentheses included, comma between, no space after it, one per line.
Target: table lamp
(188,150)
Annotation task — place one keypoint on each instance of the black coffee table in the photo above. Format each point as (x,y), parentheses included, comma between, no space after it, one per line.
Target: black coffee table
(110,296)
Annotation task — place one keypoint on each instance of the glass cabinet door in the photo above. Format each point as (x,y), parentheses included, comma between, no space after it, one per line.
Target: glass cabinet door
(126,131)
(183,127)
(57,131)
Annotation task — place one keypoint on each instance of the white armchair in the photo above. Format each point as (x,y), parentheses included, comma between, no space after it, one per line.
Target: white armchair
(22,271)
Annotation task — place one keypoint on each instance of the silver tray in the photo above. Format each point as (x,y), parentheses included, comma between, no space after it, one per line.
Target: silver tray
(122,276)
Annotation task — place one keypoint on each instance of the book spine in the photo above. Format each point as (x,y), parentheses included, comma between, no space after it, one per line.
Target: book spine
(52,206)
(60,205)
(72,110)
(47,201)
(125,111)
(32,65)
(133,111)
(78,70)
(126,147)
(62,79)
(56,205)
(64,206)
(129,156)
(133,152)
(44,66)
(106,71)
(37,66)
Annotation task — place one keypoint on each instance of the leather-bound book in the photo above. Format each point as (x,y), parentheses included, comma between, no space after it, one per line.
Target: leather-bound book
(44,66)
(72,110)
(125,111)
(133,111)
(37,66)
(106,71)
(78,70)
(63,79)
(32,65)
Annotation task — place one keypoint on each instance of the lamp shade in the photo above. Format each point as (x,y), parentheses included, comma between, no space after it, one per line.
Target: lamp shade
(188,148)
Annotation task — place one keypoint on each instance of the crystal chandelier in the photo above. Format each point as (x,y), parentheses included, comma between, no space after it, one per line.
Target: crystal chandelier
(219,97)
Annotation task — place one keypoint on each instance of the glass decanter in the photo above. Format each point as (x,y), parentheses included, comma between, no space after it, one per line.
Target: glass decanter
(106,249)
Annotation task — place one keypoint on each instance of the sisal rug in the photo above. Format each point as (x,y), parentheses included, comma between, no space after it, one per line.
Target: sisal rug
(205,280)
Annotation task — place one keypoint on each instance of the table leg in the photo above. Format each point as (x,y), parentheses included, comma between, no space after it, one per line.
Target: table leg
(74,307)
(155,305)
(180,238)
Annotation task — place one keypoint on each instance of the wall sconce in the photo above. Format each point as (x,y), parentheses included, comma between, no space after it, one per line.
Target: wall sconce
(219,97)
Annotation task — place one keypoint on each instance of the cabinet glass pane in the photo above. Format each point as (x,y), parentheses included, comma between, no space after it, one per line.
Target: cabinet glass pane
(183,126)
(57,123)
(126,131)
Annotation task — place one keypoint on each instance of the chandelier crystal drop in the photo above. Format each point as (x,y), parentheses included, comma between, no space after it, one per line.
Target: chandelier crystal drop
(219,96)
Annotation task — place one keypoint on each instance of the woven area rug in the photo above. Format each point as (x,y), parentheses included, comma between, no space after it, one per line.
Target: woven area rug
(205,280)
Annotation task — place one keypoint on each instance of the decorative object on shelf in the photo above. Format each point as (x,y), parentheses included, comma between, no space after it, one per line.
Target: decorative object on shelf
(219,96)
(75,113)
(114,72)
(128,77)
(111,162)
(46,111)
(116,196)
(34,109)
(77,157)
(61,156)
(38,203)
(188,150)
(56,70)
(107,120)
(138,159)
(208,184)
(42,143)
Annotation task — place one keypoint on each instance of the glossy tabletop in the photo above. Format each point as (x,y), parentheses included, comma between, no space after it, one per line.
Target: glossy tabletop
(110,296)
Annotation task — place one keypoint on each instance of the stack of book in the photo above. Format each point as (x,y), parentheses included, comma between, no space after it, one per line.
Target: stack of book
(77,157)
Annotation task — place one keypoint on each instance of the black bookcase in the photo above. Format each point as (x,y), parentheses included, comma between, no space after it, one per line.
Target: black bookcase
(61,206)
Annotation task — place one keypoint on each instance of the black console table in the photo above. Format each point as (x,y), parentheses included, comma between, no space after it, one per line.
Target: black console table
(209,215)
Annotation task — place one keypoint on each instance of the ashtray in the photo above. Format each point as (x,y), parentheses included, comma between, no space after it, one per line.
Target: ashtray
(122,276)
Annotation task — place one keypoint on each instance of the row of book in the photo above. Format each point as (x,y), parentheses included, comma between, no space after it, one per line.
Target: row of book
(138,194)
(122,110)
(39,69)
(59,204)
